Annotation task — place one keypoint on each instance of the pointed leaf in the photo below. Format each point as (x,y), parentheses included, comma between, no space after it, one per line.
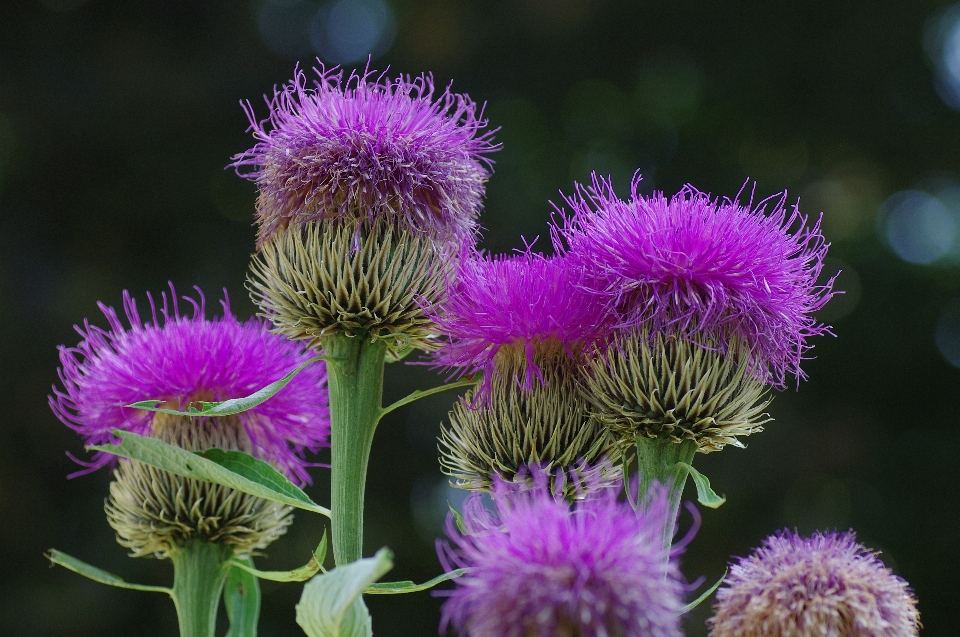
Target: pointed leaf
(301,574)
(255,470)
(422,393)
(459,519)
(407,586)
(331,605)
(228,407)
(241,596)
(707,593)
(705,495)
(99,575)
(240,471)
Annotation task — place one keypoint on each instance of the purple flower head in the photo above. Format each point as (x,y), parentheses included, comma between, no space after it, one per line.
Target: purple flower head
(369,147)
(540,568)
(525,302)
(183,359)
(707,268)
(826,584)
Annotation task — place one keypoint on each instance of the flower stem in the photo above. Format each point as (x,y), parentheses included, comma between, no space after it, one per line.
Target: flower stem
(199,571)
(657,460)
(355,377)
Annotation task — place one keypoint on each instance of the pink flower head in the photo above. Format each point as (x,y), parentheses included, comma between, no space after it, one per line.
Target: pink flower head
(184,359)
(527,301)
(539,567)
(826,584)
(383,147)
(707,268)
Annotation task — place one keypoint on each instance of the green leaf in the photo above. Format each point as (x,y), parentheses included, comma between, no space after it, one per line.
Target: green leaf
(459,519)
(245,465)
(232,406)
(421,393)
(241,596)
(707,593)
(331,605)
(407,586)
(301,574)
(99,575)
(705,495)
(239,471)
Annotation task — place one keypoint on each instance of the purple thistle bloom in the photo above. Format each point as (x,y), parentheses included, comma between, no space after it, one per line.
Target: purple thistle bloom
(369,148)
(705,266)
(539,569)
(186,359)
(524,301)
(826,584)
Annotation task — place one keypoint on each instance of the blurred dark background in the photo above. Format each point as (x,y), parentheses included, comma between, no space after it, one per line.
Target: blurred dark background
(118,117)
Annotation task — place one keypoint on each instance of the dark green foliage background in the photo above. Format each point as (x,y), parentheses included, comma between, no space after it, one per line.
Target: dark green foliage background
(116,121)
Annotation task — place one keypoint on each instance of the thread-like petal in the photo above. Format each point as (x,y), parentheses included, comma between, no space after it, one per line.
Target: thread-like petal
(180,359)
(539,567)
(366,147)
(700,265)
(826,584)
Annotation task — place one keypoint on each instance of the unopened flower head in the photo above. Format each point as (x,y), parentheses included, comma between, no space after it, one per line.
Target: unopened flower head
(664,386)
(500,311)
(181,359)
(540,568)
(374,280)
(369,146)
(826,584)
(699,265)
(498,436)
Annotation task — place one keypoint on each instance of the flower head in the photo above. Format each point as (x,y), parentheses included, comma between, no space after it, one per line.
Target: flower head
(666,387)
(826,584)
(498,436)
(319,279)
(500,310)
(183,359)
(365,148)
(698,265)
(539,568)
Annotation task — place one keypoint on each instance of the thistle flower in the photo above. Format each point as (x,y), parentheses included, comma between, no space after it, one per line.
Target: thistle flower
(701,266)
(364,148)
(500,310)
(826,584)
(183,359)
(663,386)
(523,321)
(539,569)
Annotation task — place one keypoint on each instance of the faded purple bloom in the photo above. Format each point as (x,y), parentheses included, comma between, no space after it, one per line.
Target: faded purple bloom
(526,301)
(826,584)
(539,568)
(184,359)
(367,148)
(709,269)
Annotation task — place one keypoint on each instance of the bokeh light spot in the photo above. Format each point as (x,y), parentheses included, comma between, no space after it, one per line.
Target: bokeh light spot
(350,30)
(941,39)
(848,196)
(918,227)
(947,333)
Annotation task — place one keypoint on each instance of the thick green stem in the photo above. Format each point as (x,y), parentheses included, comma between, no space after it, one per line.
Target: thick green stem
(199,571)
(657,459)
(355,379)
